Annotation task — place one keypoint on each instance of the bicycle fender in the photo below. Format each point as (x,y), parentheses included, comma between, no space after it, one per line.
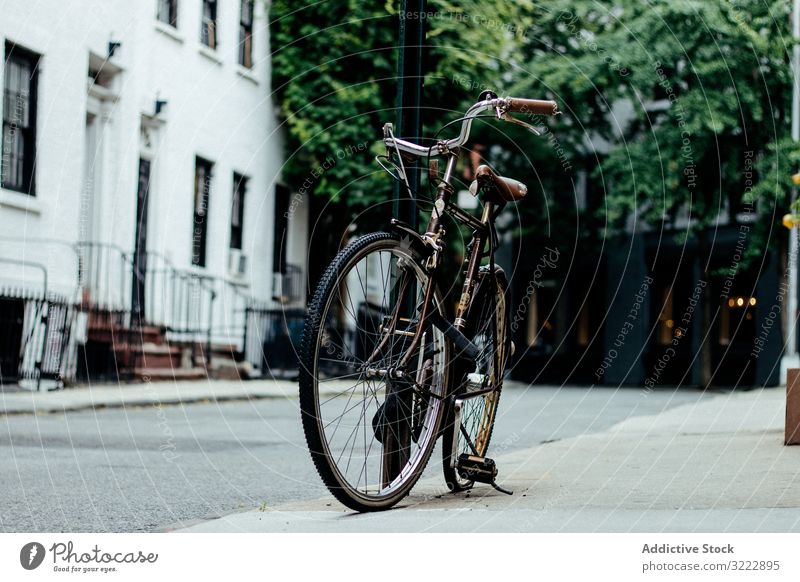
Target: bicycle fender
(416,241)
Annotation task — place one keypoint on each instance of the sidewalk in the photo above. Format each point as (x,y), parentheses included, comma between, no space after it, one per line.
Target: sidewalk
(143,394)
(716,465)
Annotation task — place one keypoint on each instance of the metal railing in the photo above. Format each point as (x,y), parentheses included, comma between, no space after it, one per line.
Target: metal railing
(36,329)
(272,339)
(155,291)
(40,333)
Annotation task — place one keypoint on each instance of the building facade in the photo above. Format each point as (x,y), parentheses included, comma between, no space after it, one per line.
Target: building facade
(141,208)
(650,308)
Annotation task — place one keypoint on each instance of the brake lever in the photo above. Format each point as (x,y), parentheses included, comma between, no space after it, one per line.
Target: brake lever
(514,120)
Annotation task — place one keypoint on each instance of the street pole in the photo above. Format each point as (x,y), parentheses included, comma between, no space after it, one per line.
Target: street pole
(397,441)
(790,358)
(409,101)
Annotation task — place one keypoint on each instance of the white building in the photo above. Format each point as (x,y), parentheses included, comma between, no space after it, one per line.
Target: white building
(141,161)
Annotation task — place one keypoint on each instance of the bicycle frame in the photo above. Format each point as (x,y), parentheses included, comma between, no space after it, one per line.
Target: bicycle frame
(421,380)
(431,239)
(483,230)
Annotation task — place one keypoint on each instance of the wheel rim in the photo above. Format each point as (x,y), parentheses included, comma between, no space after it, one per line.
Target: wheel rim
(347,400)
(478,413)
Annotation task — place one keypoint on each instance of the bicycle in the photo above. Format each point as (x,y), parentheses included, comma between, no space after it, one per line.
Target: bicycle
(383,369)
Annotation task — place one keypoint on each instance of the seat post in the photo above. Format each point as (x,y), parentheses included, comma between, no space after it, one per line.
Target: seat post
(486,215)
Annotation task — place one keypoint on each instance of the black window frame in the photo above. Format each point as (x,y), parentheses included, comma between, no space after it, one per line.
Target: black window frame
(238,198)
(283,197)
(167,9)
(26,183)
(203,172)
(209,29)
(246,17)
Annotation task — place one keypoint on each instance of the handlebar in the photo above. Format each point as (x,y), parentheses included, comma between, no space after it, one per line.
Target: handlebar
(501,105)
(532,106)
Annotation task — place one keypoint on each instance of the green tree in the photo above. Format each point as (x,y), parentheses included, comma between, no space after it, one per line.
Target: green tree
(679,94)
(334,77)
(663,101)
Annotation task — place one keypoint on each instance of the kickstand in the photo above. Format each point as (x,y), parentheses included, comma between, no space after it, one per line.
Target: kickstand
(500,489)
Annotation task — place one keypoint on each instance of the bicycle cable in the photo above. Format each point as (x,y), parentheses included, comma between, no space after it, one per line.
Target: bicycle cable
(436,135)
(400,169)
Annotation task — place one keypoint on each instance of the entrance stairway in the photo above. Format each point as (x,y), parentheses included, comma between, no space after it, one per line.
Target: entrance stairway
(141,352)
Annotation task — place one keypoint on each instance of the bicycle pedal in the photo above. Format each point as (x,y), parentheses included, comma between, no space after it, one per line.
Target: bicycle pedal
(478,469)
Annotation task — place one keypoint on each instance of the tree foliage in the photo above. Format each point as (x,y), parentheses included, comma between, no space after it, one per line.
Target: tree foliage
(668,101)
(334,75)
(665,103)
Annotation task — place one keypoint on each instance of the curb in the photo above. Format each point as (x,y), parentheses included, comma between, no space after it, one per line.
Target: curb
(140,403)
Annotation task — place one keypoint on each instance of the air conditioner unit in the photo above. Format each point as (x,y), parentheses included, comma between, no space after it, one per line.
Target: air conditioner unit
(237,263)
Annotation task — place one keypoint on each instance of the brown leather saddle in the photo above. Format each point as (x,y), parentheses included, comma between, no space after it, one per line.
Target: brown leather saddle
(497,188)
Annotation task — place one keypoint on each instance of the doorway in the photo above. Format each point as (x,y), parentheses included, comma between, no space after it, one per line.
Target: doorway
(12,316)
(139,271)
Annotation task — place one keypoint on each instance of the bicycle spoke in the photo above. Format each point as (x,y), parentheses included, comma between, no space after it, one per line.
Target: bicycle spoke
(477,417)
(465,434)
(360,331)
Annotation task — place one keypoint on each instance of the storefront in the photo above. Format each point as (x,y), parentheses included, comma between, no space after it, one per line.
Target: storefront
(653,311)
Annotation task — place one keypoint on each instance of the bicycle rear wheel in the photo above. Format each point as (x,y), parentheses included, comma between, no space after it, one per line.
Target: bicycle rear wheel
(487,327)
(370,433)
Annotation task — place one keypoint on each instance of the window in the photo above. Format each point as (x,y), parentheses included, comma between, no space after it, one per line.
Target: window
(246,34)
(168,12)
(541,332)
(584,329)
(20,79)
(237,211)
(208,28)
(666,329)
(282,199)
(202,187)
(737,320)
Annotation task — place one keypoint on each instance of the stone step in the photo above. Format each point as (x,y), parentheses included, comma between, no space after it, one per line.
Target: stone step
(148,355)
(116,334)
(231,351)
(163,374)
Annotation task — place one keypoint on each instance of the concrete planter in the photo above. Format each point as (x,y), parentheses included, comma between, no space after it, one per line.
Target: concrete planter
(792,434)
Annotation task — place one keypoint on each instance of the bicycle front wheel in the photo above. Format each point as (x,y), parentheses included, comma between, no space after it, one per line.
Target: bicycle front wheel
(371,431)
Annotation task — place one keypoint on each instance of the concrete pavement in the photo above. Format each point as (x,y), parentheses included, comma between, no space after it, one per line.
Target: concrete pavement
(716,464)
(578,459)
(142,394)
(148,466)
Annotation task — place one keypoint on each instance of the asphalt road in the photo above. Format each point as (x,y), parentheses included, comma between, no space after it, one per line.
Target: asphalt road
(153,468)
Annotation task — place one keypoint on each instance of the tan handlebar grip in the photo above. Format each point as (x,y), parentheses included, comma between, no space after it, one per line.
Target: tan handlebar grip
(532,106)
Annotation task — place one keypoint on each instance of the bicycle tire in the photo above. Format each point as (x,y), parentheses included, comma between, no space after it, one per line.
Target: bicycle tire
(479,413)
(424,414)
